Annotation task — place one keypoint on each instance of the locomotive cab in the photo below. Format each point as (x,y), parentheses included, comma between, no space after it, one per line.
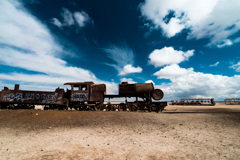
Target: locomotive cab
(85,94)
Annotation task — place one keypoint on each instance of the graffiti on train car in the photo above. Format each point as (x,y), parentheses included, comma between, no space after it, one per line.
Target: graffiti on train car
(18,97)
(50,98)
(79,96)
(28,96)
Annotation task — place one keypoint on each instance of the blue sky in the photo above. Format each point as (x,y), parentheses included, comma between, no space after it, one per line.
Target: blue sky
(187,48)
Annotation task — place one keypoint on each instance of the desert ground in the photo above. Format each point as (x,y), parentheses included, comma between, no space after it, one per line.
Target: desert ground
(179,132)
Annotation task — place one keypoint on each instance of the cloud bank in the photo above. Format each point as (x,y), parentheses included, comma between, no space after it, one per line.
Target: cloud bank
(191,84)
(216,20)
(25,43)
(187,83)
(167,55)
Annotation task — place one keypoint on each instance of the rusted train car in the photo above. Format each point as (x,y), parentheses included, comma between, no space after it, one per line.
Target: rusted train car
(85,96)
(145,91)
(195,101)
(25,99)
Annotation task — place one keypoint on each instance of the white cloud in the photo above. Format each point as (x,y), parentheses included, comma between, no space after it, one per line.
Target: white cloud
(191,84)
(79,19)
(67,17)
(130,69)
(172,71)
(24,31)
(56,22)
(124,59)
(236,67)
(228,42)
(215,19)
(27,44)
(121,55)
(225,43)
(150,81)
(214,65)
(129,80)
(173,27)
(42,63)
(167,55)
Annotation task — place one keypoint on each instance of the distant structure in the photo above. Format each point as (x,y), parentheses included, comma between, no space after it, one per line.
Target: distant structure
(232,101)
(195,102)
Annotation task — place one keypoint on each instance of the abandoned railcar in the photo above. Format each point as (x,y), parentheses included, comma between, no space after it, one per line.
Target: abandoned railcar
(26,99)
(85,96)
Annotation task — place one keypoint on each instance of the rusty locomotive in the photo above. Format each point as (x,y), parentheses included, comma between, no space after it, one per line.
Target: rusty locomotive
(85,96)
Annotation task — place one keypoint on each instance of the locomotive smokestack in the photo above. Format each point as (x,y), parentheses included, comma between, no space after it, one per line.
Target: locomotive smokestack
(16,88)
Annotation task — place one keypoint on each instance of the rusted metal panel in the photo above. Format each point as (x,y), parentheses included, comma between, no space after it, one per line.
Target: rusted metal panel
(97,92)
(157,94)
(126,89)
(132,90)
(143,88)
(17,96)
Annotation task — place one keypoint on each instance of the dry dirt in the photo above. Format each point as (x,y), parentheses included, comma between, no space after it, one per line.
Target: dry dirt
(180,132)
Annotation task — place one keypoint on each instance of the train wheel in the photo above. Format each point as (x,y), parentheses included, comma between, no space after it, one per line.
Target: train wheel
(128,107)
(153,107)
(122,107)
(92,108)
(115,107)
(46,107)
(61,107)
(32,106)
(109,107)
(133,107)
(10,106)
(52,107)
(99,107)
(149,109)
(95,108)
(19,106)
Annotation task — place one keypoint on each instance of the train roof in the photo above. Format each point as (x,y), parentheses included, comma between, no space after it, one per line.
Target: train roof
(78,83)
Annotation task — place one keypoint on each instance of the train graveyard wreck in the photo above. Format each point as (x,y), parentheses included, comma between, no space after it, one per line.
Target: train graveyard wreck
(232,101)
(195,101)
(85,96)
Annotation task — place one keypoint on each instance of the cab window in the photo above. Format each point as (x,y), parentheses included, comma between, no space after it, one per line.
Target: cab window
(83,87)
(76,87)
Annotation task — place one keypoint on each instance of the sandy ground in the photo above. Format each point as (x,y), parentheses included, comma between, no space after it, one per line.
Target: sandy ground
(180,132)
